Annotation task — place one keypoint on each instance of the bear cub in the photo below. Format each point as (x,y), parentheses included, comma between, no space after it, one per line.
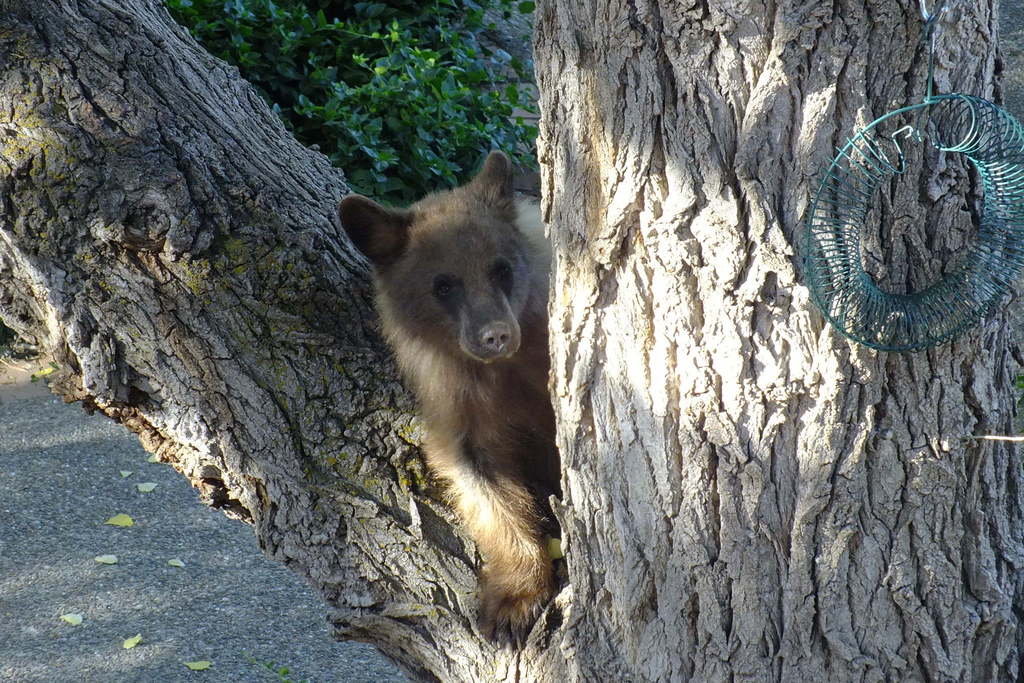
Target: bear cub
(461,281)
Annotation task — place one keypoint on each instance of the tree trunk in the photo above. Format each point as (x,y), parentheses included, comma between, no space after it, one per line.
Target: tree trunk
(178,253)
(748,496)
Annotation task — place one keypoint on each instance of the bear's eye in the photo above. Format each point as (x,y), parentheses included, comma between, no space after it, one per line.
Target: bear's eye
(502,272)
(443,286)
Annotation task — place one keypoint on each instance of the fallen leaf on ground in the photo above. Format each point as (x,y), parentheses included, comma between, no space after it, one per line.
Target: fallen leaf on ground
(45,372)
(106,559)
(72,618)
(153,458)
(120,520)
(145,487)
(175,562)
(129,643)
(198,666)
(125,473)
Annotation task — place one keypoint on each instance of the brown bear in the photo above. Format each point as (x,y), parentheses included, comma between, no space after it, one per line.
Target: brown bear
(461,282)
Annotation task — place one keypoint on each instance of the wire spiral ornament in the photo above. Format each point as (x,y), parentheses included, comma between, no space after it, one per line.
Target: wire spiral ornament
(849,298)
(993,141)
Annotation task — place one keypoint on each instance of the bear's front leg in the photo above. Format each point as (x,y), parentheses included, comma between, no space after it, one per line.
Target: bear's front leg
(513,590)
(501,515)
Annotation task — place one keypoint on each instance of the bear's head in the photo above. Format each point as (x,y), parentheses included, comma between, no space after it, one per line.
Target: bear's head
(453,269)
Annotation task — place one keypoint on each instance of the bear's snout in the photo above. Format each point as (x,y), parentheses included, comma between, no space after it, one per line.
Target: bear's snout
(495,338)
(491,341)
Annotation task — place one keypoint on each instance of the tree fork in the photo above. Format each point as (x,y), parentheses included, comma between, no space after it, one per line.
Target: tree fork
(747,495)
(178,254)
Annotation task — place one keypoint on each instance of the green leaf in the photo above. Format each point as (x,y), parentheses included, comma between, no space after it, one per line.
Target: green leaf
(125,474)
(175,562)
(45,372)
(153,458)
(146,487)
(201,665)
(106,559)
(120,520)
(72,618)
(129,643)
(526,7)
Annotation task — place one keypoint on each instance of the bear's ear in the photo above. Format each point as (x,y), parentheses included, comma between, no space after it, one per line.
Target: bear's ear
(494,181)
(377,231)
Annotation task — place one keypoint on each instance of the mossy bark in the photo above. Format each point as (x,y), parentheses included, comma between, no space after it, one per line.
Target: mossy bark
(178,253)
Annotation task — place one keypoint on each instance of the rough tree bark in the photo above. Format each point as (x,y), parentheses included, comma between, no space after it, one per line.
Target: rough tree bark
(178,253)
(746,494)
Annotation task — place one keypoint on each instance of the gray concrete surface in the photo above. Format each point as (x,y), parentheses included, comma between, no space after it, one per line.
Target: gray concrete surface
(59,481)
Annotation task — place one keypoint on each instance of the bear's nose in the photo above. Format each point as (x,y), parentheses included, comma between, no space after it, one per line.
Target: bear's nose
(494,337)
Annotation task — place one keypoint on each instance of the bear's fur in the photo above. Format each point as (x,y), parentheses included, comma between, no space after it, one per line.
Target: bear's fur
(461,287)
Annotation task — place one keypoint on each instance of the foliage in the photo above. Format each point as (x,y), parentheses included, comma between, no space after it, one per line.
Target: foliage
(282,673)
(1019,385)
(402,95)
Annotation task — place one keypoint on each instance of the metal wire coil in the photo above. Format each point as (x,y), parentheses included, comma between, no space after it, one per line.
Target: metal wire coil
(847,295)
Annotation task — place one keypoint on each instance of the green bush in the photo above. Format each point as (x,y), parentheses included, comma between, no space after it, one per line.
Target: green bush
(402,95)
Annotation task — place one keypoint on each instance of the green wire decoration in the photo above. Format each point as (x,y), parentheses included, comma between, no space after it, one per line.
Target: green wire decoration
(993,141)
